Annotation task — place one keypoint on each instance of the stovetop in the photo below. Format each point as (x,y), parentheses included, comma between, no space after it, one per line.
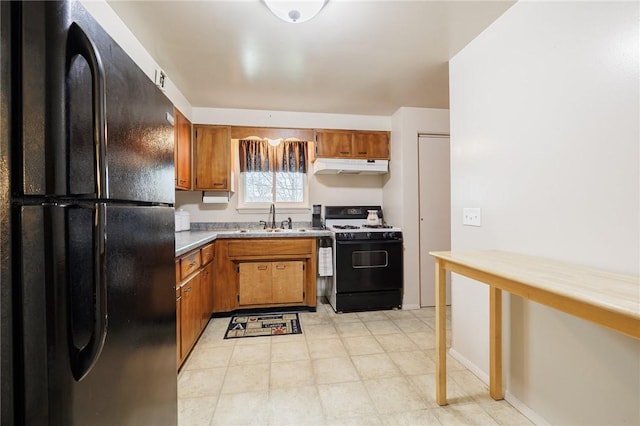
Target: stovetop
(360,227)
(350,223)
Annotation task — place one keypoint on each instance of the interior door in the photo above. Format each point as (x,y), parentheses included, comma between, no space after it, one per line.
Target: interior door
(435,210)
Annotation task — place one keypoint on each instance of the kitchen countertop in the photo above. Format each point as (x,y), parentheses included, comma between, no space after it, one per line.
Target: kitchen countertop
(189,240)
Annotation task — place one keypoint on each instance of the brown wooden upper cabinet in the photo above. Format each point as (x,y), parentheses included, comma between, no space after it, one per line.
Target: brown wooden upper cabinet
(373,145)
(182,151)
(212,158)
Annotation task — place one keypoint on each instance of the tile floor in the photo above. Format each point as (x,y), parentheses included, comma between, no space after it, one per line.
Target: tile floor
(369,368)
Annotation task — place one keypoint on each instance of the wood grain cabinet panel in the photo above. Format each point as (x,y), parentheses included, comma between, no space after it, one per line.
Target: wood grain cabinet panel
(178,326)
(189,264)
(361,144)
(206,294)
(212,158)
(254,283)
(182,151)
(287,282)
(194,296)
(207,252)
(264,272)
(190,314)
(334,144)
(371,145)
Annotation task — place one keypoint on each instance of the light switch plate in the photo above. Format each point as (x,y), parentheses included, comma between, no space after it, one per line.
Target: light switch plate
(471,216)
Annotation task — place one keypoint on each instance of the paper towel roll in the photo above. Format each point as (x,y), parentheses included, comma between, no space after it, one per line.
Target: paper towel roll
(215,197)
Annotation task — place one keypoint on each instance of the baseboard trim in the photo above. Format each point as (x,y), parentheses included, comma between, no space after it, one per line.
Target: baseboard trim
(534,417)
(407,307)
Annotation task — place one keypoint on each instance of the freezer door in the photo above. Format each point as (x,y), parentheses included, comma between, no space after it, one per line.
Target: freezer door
(110,317)
(117,112)
(93,125)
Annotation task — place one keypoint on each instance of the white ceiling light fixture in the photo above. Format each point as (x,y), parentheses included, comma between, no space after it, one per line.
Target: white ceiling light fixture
(295,12)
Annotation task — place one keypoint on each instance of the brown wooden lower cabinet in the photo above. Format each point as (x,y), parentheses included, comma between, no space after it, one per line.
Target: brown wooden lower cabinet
(264,272)
(191,315)
(194,297)
(206,294)
(262,283)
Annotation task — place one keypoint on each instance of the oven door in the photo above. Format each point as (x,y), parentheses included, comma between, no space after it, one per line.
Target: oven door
(368,265)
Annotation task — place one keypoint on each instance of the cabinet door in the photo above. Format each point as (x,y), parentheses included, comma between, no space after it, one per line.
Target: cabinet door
(212,158)
(191,316)
(178,318)
(206,301)
(334,144)
(287,281)
(182,154)
(371,145)
(254,283)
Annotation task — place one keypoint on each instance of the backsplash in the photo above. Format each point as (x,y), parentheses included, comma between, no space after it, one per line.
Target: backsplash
(211,226)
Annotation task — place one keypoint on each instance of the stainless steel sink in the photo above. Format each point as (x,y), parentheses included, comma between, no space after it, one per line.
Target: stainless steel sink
(271,230)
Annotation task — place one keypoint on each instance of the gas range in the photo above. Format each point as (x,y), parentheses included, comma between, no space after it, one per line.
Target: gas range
(368,260)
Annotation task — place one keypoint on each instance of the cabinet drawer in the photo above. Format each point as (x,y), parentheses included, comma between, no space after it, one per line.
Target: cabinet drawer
(269,247)
(189,264)
(207,253)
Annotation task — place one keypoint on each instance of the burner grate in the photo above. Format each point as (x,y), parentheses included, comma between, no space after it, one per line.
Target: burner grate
(346,227)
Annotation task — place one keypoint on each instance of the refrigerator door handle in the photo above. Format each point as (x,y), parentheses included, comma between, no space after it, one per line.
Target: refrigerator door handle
(78,43)
(83,359)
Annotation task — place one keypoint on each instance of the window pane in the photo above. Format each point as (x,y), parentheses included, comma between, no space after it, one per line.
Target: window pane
(258,187)
(290,187)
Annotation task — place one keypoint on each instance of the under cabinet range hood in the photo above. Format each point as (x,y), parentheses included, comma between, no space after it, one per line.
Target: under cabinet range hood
(348,166)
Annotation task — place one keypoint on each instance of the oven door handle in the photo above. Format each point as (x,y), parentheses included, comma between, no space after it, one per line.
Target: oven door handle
(354,242)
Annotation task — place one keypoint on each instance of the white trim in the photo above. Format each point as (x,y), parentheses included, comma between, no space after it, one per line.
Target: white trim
(469,365)
(534,417)
(410,307)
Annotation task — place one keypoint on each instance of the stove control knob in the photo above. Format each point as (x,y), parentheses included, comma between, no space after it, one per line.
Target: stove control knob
(386,235)
(368,235)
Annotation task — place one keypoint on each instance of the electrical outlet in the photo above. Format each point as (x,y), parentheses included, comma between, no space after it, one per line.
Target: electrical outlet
(471,216)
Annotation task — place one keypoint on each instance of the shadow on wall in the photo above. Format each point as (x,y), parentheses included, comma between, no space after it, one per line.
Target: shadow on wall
(195,198)
(350,181)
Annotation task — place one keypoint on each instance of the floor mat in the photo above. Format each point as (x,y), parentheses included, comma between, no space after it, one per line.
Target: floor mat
(269,324)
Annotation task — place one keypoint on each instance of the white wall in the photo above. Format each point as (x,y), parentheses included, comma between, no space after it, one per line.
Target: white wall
(544,134)
(121,34)
(323,189)
(400,195)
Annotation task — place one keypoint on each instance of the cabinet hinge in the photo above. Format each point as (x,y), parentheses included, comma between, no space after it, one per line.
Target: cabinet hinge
(238,269)
(238,297)
(303,266)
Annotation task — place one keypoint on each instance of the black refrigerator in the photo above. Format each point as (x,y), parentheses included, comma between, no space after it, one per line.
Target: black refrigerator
(87,300)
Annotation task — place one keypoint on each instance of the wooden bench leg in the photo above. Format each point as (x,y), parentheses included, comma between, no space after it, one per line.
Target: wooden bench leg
(495,343)
(441,334)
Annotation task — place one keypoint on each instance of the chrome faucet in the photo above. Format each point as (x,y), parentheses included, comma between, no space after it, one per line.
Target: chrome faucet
(272,215)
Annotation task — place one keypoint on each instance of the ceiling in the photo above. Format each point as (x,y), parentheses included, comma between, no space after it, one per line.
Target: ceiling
(355,57)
